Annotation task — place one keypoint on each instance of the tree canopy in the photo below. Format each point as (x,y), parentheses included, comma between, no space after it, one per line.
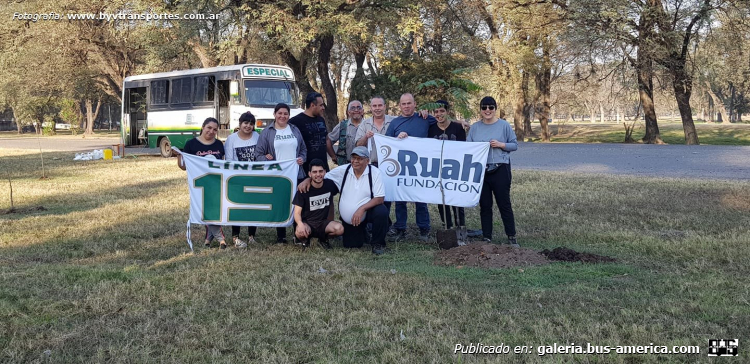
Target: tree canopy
(543,60)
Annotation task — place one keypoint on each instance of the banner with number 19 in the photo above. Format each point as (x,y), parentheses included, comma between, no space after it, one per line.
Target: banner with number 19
(240,193)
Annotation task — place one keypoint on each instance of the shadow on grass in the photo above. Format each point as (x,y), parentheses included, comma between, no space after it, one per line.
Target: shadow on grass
(64,203)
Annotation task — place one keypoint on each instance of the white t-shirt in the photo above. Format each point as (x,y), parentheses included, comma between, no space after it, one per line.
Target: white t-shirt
(285,144)
(356,191)
(237,149)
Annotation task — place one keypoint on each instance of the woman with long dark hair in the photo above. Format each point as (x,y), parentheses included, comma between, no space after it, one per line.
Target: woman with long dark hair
(240,146)
(206,145)
(495,130)
(281,141)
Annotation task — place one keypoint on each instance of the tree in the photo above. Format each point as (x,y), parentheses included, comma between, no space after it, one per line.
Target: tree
(723,63)
(680,27)
(629,28)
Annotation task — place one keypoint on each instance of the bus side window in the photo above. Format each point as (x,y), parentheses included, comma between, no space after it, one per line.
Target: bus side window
(182,91)
(160,92)
(204,89)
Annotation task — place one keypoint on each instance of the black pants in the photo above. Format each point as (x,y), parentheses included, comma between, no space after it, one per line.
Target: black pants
(458,215)
(497,183)
(387,205)
(250,231)
(355,236)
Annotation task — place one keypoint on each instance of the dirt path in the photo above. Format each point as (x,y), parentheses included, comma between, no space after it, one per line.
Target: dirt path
(703,161)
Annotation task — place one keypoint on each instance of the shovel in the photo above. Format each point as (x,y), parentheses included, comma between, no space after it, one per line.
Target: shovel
(446,238)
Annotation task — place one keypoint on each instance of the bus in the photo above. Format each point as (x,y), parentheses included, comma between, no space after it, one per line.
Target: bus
(167,109)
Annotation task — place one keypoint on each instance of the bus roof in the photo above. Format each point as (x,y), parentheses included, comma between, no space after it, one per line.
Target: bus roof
(200,71)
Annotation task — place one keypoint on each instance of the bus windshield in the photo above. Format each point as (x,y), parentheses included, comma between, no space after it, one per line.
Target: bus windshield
(270,93)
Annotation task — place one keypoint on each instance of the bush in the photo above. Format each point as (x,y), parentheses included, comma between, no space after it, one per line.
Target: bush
(48,125)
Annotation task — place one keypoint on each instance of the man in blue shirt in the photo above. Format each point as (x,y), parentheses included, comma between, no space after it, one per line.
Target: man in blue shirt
(410,124)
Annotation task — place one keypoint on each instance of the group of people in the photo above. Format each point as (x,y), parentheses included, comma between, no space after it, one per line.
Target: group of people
(365,215)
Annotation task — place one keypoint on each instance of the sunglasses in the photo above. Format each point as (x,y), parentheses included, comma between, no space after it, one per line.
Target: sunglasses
(485,107)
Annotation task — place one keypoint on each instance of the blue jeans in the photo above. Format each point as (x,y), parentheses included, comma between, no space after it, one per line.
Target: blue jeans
(423,216)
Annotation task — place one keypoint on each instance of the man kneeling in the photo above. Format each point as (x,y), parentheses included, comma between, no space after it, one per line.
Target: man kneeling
(361,201)
(313,214)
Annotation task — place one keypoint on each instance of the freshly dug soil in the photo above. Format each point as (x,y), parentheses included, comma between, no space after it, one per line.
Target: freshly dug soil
(570,255)
(489,256)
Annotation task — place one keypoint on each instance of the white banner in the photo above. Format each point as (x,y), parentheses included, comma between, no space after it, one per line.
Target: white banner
(240,193)
(415,169)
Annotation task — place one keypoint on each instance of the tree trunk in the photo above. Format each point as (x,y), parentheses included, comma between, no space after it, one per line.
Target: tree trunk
(19,127)
(683,88)
(646,93)
(543,81)
(91,114)
(299,66)
(644,69)
(528,106)
(437,35)
(324,57)
(202,54)
(359,87)
(518,111)
(731,102)
(718,105)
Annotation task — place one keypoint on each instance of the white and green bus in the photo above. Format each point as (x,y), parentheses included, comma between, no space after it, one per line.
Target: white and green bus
(167,109)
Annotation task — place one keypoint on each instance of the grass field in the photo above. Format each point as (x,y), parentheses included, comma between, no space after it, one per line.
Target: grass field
(565,132)
(671,133)
(104,274)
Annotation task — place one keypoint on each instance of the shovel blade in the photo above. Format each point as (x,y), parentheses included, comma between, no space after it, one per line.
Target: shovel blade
(447,239)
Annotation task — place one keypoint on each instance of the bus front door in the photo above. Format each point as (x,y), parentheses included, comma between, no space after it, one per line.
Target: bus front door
(138,119)
(222,107)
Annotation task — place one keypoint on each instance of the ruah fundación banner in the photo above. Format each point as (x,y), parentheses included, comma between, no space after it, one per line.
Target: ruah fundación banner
(417,169)
(240,193)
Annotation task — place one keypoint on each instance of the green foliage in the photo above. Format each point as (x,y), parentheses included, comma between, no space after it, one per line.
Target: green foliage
(33,109)
(48,126)
(69,111)
(428,80)
(457,90)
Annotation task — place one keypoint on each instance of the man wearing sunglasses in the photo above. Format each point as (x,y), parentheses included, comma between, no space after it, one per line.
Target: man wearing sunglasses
(345,133)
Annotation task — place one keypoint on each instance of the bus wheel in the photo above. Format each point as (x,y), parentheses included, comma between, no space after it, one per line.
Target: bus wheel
(165,147)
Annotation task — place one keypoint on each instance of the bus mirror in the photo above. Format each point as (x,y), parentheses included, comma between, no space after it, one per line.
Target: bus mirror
(234,88)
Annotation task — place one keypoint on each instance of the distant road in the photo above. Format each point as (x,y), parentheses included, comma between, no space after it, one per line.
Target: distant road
(702,161)
(72,143)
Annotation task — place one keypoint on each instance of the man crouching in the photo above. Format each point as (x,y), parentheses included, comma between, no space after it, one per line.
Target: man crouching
(361,200)
(313,214)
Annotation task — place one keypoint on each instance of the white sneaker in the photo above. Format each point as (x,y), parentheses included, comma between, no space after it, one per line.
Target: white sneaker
(239,243)
(251,240)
